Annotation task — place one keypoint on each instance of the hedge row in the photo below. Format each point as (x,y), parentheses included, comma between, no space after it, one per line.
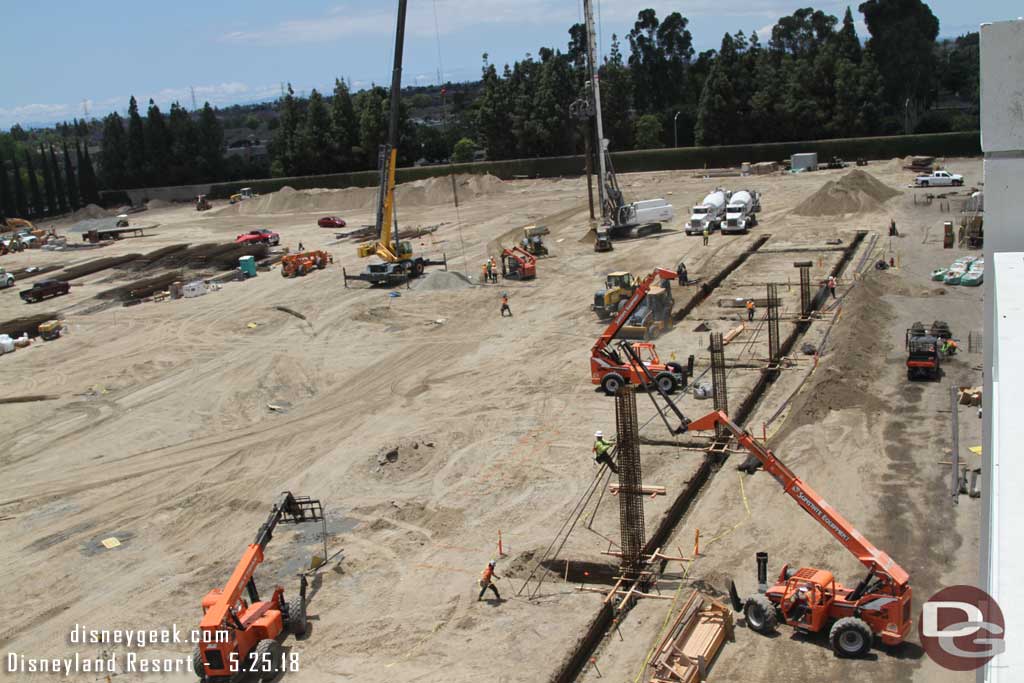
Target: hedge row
(935,144)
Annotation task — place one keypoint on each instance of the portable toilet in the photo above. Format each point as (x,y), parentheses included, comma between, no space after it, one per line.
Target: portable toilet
(247,264)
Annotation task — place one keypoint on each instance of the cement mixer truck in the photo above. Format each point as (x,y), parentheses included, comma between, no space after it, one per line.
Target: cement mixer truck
(709,213)
(741,211)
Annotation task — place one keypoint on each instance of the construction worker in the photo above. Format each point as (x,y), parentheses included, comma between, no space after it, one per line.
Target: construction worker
(494,271)
(750,309)
(948,347)
(487,581)
(487,272)
(301,248)
(707,233)
(681,273)
(892,228)
(504,305)
(602,451)
(832,285)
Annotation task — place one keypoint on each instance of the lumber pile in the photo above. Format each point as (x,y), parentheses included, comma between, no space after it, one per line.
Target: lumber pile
(696,636)
(970,396)
(732,334)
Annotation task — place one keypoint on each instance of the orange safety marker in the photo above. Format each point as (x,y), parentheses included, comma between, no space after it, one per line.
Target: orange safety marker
(501,549)
(696,542)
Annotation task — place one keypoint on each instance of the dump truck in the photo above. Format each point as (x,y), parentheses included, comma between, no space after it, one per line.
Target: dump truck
(741,211)
(708,214)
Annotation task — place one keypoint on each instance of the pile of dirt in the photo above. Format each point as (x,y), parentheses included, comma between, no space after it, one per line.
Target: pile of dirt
(855,192)
(90,211)
(442,280)
(427,192)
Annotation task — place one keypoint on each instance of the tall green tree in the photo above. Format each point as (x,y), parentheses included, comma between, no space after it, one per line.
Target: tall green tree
(49,188)
(617,99)
(6,199)
(58,181)
(158,146)
(37,207)
(315,137)
(494,115)
(286,137)
(846,40)
(344,126)
(87,183)
(20,201)
(70,180)
(902,41)
(210,143)
(184,146)
(114,152)
(716,114)
(373,126)
(648,132)
(135,166)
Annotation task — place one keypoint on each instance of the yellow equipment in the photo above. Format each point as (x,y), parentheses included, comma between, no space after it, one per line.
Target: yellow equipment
(652,316)
(50,330)
(618,287)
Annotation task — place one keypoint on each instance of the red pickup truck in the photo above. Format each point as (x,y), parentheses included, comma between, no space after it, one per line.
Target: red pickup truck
(259,236)
(44,289)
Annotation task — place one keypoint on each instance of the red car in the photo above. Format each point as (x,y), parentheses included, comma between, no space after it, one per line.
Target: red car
(331,222)
(259,236)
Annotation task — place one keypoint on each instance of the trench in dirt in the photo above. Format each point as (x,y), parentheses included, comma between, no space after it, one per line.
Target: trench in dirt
(599,627)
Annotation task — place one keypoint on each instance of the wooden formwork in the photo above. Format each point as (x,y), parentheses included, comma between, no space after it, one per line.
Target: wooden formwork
(696,636)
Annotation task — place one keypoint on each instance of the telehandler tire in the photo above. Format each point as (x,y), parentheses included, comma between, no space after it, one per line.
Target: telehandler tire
(265,659)
(666,382)
(760,614)
(611,383)
(850,637)
(297,616)
(198,666)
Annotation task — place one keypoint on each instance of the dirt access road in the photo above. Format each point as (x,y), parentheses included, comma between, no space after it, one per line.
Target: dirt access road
(161,437)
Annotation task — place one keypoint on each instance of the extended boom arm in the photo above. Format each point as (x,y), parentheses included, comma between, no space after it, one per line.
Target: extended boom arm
(876,560)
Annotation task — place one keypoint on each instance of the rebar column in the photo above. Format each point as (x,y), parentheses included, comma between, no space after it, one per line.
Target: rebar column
(773,324)
(805,288)
(718,391)
(631,502)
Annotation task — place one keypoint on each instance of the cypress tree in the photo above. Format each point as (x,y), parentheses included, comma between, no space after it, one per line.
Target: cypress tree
(51,193)
(135,168)
(5,194)
(20,205)
(58,181)
(69,176)
(33,187)
(87,177)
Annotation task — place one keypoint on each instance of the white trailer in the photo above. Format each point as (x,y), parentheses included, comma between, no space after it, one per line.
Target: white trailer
(741,211)
(708,214)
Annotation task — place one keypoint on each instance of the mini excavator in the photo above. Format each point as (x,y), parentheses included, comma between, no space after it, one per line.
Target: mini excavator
(242,636)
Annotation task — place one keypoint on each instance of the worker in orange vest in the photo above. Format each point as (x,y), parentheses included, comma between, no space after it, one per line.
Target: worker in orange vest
(832,285)
(494,271)
(750,309)
(504,305)
(486,581)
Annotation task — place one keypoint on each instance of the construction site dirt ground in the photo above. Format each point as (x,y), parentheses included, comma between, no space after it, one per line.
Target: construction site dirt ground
(425,422)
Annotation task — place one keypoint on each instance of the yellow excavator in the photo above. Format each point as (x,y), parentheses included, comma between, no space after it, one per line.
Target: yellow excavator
(398,264)
(618,287)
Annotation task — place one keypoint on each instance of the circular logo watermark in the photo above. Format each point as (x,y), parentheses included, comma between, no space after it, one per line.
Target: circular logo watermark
(961,628)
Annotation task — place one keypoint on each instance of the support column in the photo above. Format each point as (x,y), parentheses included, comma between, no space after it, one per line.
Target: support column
(774,357)
(631,506)
(805,288)
(718,391)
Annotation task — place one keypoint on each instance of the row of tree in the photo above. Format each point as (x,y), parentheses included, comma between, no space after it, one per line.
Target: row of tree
(173,149)
(47,184)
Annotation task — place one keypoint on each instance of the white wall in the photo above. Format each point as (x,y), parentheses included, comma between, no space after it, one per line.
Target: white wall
(1002,141)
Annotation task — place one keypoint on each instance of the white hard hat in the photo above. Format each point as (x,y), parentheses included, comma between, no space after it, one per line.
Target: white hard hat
(598,434)
(492,563)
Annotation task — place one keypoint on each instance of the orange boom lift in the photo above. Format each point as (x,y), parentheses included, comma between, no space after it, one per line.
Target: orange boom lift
(810,599)
(641,364)
(239,636)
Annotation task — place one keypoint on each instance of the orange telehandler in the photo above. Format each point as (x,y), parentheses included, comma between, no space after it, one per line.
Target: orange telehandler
(639,362)
(304,262)
(810,599)
(239,636)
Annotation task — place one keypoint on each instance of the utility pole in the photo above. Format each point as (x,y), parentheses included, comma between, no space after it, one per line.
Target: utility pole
(193,89)
(675,129)
(583,111)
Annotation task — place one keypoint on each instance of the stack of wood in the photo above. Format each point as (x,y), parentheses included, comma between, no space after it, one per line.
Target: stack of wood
(920,164)
(693,642)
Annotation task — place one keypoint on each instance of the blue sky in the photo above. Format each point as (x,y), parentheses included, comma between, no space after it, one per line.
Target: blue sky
(61,53)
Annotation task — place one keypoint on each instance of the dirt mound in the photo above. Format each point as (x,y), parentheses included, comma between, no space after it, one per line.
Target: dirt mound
(442,280)
(90,211)
(427,192)
(855,192)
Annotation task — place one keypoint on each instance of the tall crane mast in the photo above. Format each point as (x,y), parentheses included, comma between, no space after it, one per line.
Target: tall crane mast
(595,90)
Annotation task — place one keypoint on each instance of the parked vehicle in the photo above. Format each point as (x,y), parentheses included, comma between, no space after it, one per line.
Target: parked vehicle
(740,212)
(939,179)
(259,236)
(709,213)
(331,222)
(6,279)
(202,203)
(43,290)
(244,193)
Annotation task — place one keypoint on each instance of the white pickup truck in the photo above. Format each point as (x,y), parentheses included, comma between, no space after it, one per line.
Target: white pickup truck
(938,179)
